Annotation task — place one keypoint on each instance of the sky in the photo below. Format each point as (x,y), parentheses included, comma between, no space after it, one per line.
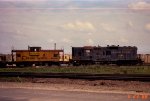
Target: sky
(70,23)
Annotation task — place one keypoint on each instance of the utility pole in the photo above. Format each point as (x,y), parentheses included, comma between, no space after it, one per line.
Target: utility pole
(54,46)
(12,55)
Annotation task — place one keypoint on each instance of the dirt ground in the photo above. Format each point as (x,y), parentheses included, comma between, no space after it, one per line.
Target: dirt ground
(82,85)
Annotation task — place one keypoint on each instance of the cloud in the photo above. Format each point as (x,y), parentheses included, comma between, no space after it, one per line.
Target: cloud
(66,40)
(80,26)
(108,42)
(123,40)
(90,34)
(50,41)
(107,27)
(141,5)
(147,27)
(130,23)
(90,42)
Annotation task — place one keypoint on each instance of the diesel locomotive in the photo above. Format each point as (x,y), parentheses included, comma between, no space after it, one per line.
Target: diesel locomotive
(125,55)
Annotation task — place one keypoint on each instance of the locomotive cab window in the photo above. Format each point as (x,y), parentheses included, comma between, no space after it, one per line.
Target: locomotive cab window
(87,52)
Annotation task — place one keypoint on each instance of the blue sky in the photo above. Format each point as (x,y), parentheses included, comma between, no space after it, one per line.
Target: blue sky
(74,23)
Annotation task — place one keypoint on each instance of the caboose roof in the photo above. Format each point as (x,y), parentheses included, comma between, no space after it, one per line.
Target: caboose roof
(37,51)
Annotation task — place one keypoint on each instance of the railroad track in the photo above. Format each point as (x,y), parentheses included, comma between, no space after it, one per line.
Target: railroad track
(126,77)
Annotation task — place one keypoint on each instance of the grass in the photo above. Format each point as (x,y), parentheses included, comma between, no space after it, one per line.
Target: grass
(84,69)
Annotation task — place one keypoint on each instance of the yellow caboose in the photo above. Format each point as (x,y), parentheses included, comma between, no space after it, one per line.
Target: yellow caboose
(36,56)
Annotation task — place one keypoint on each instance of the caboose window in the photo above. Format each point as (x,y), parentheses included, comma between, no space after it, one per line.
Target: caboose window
(18,55)
(55,55)
(65,57)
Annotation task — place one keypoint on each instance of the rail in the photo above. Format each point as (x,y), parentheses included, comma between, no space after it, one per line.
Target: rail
(126,77)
